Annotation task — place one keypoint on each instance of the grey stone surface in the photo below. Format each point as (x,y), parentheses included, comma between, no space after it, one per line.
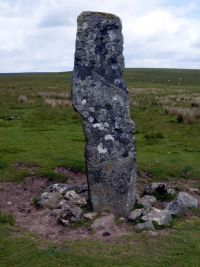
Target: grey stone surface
(100,95)
(75,199)
(63,203)
(56,212)
(144,226)
(181,203)
(106,222)
(134,214)
(90,215)
(147,201)
(160,188)
(50,200)
(61,188)
(70,214)
(153,233)
(161,217)
(171,191)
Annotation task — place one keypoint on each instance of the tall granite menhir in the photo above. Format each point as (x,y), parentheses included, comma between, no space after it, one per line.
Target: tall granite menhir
(100,96)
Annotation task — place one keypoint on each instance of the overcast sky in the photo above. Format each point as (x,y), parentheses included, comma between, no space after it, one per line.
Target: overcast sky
(39,35)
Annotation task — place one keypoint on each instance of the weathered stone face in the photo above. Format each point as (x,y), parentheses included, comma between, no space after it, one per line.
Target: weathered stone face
(100,95)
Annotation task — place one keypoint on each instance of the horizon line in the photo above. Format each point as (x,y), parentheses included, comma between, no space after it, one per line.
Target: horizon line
(67,71)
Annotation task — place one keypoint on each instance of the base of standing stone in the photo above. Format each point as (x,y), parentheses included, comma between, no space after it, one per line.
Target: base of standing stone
(112,188)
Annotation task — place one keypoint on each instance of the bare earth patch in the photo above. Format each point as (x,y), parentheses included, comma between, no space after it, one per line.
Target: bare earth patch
(17,199)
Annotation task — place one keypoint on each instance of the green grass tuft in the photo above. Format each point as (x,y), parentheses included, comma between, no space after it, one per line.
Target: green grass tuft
(6,218)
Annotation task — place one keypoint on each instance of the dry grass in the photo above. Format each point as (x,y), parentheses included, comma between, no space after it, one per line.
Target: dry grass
(56,103)
(23,99)
(183,114)
(186,107)
(196,102)
(55,95)
(138,91)
(54,99)
(162,101)
(183,99)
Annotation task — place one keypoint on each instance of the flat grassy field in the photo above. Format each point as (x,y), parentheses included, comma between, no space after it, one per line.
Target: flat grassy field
(40,131)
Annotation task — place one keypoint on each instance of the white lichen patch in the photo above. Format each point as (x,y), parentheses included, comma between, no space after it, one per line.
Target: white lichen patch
(103,112)
(116,125)
(85,25)
(117,81)
(114,67)
(111,35)
(85,114)
(109,137)
(90,119)
(114,98)
(91,109)
(101,149)
(106,124)
(83,102)
(100,126)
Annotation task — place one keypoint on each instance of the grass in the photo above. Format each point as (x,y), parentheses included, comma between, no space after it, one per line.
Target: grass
(164,197)
(40,131)
(38,124)
(6,218)
(172,249)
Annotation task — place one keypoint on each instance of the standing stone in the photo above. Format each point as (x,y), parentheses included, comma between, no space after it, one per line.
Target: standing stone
(100,95)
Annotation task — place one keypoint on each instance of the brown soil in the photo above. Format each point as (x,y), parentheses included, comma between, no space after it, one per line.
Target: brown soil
(17,199)
(73,177)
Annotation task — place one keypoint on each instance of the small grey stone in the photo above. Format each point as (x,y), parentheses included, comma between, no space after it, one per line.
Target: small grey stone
(55,213)
(182,202)
(159,188)
(59,187)
(83,188)
(153,233)
(144,226)
(63,221)
(71,214)
(9,203)
(11,118)
(77,214)
(146,210)
(147,201)
(137,197)
(63,203)
(134,214)
(161,217)
(171,191)
(50,200)
(122,220)
(74,198)
(106,222)
(90,215)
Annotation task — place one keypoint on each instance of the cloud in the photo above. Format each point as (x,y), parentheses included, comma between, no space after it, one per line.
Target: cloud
(39,35)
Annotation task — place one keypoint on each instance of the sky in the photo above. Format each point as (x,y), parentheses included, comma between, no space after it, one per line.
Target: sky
(39,35)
